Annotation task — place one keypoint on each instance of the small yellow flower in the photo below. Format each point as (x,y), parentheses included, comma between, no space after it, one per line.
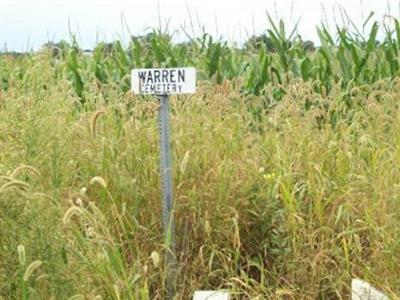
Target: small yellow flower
(269,176)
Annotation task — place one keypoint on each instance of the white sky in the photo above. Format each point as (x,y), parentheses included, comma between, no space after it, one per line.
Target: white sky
(26,24)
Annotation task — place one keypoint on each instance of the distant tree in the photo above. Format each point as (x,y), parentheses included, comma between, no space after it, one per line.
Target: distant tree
(107,47)
(56,49)
(255,42)
(309,46)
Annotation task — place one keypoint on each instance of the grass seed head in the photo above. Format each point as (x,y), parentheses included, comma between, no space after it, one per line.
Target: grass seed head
(74,210)
(184,162)
(93,121)
(21,254)
(207,227)
(21,168)
(15,183)
(155,257)
(99,180)
(31,268)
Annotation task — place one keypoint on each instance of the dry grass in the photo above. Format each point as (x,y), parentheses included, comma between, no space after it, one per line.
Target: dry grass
(286,204)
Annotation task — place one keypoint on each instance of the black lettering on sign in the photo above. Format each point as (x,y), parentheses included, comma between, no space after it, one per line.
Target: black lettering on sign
(161,81)
(172,76)
(173,88)
(181,75)
(142,76)
(157,76)
(149,77)
(164,75)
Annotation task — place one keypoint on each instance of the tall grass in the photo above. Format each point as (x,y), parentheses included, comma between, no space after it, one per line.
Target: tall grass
(285,170)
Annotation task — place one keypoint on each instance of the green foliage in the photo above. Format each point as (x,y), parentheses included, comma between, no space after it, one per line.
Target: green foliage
(285,168)
(274,57)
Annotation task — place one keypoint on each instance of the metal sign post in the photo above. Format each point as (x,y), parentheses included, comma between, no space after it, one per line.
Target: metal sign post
(167,200)
(163,82)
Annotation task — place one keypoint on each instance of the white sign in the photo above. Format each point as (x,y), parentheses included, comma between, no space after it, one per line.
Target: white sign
(164,81)
(211,295)
(361,290)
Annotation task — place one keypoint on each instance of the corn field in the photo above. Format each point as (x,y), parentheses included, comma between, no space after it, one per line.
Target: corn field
(349,58)
(285,162)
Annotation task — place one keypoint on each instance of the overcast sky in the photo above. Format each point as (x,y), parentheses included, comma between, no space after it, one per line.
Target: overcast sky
(26,24)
